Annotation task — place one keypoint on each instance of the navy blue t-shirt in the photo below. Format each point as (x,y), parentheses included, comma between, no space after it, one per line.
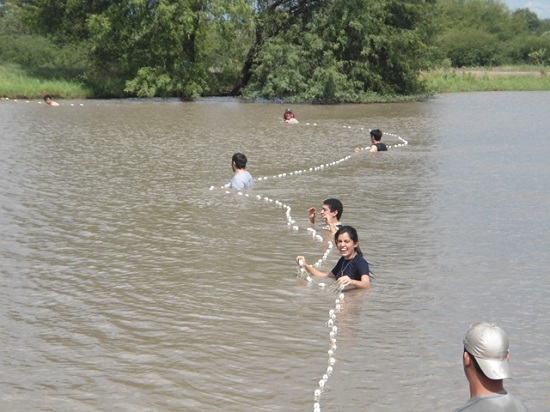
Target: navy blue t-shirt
(354,268)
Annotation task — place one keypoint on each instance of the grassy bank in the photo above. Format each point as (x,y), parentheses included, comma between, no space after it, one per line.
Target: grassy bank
(507,78)
(15,83)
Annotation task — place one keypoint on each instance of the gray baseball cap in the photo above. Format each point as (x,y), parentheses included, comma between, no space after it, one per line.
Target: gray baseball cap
(488,343)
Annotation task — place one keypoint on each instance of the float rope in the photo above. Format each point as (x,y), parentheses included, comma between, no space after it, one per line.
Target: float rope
(303,274)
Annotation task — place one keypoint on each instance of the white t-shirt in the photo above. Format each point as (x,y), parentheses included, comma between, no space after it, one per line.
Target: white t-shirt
(241,180)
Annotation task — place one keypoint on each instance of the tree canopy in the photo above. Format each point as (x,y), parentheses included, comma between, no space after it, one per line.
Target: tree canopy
(296,50)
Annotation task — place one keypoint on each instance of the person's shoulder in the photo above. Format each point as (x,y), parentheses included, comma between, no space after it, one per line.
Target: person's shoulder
(518,404)
(362,263)
(502,401)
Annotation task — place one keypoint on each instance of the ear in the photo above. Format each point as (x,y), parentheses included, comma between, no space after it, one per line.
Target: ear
(466,358)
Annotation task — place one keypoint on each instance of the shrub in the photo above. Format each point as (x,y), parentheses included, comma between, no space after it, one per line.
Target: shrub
(472,47)
(521,48)
(27,50)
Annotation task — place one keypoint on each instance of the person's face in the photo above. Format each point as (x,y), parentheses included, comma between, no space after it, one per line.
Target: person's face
(326,213)
(287,115)
(346,245)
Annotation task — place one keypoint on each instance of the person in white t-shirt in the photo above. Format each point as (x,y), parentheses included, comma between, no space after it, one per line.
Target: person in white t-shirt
(242,179)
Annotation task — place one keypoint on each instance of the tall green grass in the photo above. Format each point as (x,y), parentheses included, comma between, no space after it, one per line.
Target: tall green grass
(473,80)
(15,83)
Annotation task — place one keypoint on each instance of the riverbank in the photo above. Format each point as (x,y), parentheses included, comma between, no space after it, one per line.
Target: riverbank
(505,78)
(15,83)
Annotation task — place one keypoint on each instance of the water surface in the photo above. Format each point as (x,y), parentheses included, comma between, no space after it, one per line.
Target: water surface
(127,284)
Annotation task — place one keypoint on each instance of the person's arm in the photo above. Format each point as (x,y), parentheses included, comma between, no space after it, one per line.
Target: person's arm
(312,212)
(373,148)
(361,267)
(312,270)
(364,283)
(332,223)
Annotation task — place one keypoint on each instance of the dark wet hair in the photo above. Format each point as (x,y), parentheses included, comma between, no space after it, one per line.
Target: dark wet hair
(377,134)
(335,205)
(240,160)
(352,234)
(46,97)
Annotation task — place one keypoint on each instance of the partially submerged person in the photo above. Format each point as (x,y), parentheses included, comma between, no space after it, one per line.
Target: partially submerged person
(49,101)
(485,362)
(242,178)
(375,137)
(351,269)
(289,116)
(331,212)
(376,144)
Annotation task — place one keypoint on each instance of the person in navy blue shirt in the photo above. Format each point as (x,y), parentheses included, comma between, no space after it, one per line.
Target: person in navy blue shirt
(352,269)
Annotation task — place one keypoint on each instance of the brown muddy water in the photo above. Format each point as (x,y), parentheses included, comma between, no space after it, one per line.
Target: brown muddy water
(127,284)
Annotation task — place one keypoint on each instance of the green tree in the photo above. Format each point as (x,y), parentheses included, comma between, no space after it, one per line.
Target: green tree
(342,50)
(473,47)
(485,32)
(149,46)
(146,47)
(529,18)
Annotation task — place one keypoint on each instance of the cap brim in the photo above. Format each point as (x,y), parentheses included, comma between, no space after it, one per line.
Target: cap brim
(495,369)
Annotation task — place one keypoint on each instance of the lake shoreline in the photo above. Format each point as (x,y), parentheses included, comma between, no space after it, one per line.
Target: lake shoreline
(16,84)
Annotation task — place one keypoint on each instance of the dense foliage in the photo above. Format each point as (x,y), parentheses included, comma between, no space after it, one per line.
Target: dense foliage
(344,50)
(295,50)
(487,33)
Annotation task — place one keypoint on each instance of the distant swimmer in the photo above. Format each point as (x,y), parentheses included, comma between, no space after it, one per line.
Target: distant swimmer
(352,269)
(242,179)
(289,117)
(376,145)
(49,101)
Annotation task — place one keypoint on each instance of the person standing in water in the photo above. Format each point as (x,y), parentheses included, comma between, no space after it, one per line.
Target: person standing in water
(331,212)
(376,144)
(351,269)
(242,178)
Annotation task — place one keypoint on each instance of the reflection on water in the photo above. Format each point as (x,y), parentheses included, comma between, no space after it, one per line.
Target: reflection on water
(127,284)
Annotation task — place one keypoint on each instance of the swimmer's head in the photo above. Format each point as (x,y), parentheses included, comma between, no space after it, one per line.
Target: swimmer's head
(335,206)
(239,160)
(376,134)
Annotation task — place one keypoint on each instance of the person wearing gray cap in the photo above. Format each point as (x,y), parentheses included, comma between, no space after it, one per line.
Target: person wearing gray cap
(485,362)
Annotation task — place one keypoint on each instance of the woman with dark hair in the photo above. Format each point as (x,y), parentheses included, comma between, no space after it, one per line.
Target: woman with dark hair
(352,268)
